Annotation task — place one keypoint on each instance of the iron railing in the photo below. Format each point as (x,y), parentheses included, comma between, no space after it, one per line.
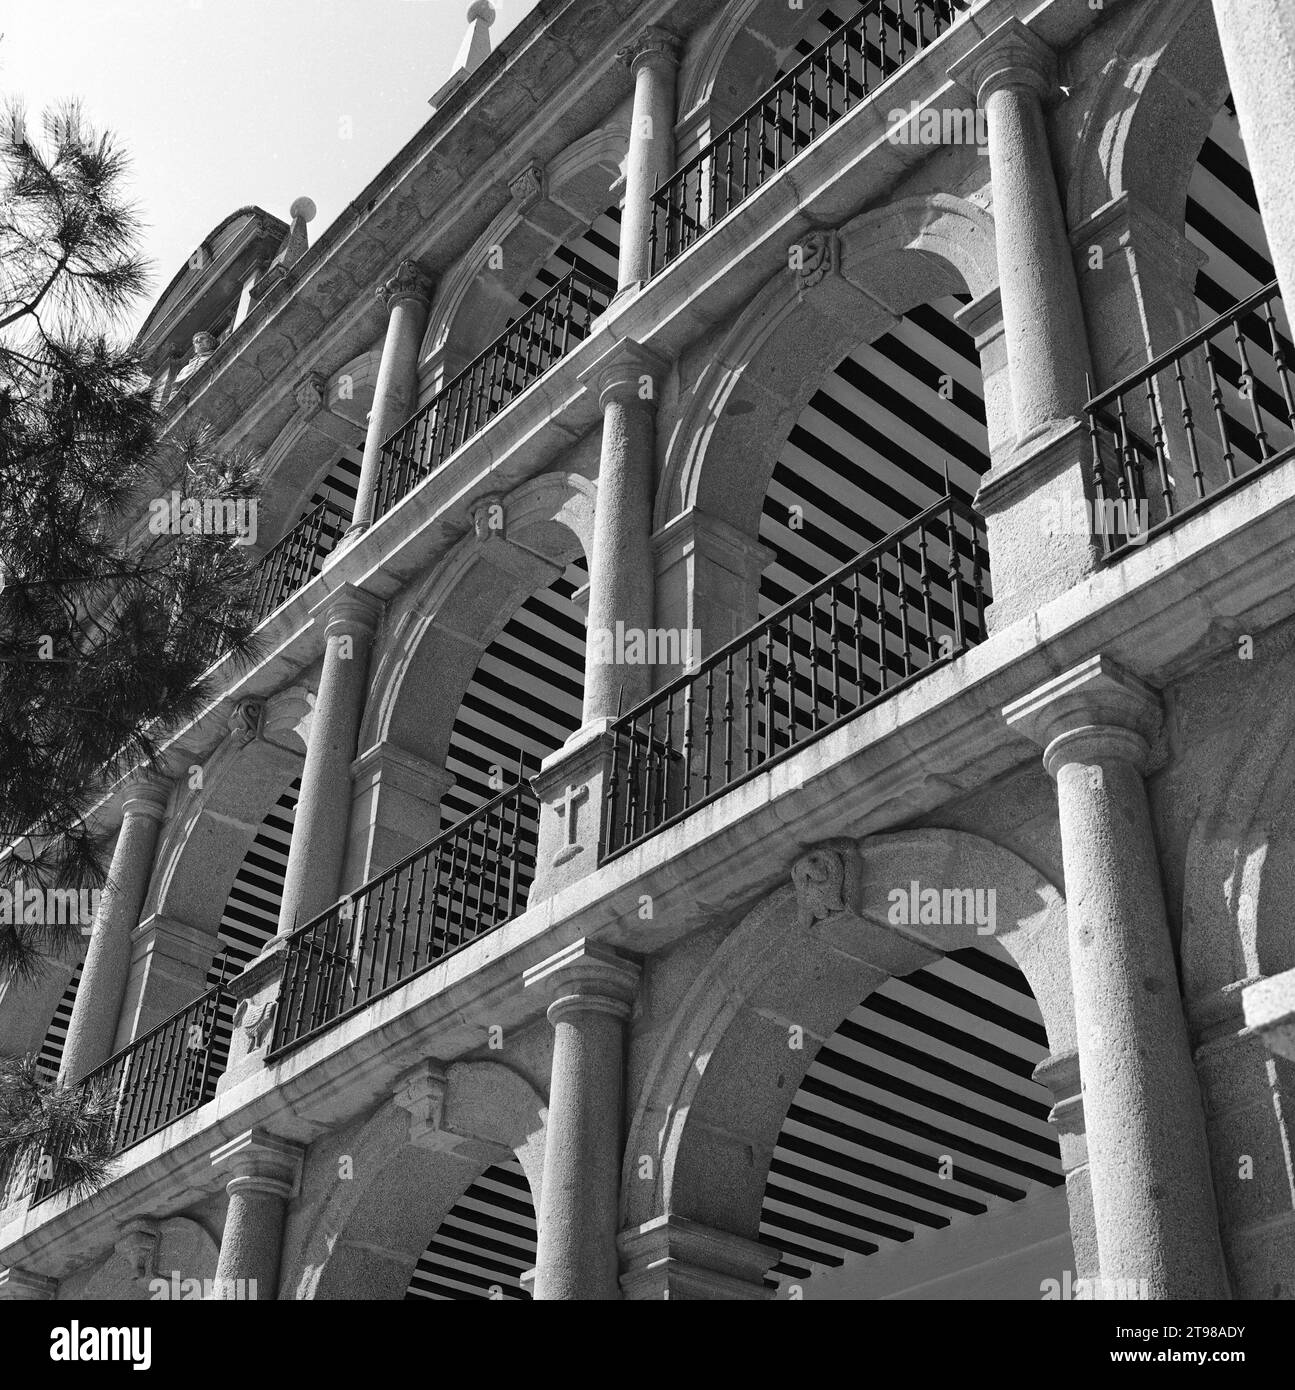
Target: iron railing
(1194,422)
(826,85)
(292,562)
(543,335)
(467,881)
(169,1071)
(910,603)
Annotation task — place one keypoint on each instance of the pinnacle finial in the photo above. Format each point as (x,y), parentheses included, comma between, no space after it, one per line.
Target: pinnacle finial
(475,49)
(482,10)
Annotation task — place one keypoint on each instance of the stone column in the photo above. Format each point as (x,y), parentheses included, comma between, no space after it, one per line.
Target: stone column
(315,856)
(263,1176)
(621,566)
(99,995)
(1152,1192)
(653,59)
(671,1257)
(593,991)
(408,298)
(1011,73)
(1042,473)
(1258,41)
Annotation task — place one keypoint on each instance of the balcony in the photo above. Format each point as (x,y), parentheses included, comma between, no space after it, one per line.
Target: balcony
(292,562)
(164,1074)
(1193,424)
(844,70)
(912,602)
(543,335)
(464,883)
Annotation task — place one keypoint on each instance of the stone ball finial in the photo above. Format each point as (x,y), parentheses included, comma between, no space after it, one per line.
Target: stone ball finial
(481,9)
(303,208)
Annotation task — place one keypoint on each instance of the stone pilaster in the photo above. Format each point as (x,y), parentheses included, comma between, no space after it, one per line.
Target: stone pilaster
(312,879)
(592,991)
(395,809)
(407,297)
(168,969)
(1011,74)
(262,1175)
(653,59)
(621,584)
(1258,42)
(1060,1075)
(571,787)
(93,1026)
(1153,1198)
(671,1257)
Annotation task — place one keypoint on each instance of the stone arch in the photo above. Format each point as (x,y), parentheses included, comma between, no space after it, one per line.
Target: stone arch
(440,631)
(1150,113)
(732,61)
(1239,875)
(362,1237)
(722,453)
(474,301)
(207,837)
(718,1085)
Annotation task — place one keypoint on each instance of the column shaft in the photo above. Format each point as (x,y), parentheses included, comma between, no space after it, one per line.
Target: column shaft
(407,296)
(1258,41)
(318,845)
(99,995)
(251,1244)
(621,572)
(653,60)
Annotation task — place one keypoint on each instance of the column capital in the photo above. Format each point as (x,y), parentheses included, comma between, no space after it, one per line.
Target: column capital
(257,1161)
(408,281)
(1095,710)
(1010,56)
(26,1285)
(585,976)
(348,611)
(619,373)
(653,48)
(146,795)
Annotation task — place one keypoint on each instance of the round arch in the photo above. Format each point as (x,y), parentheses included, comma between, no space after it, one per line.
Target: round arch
(723,451)
(362,1238)
(520,544)
(207,838)
(1150,114)
(476,299)
(718,1085)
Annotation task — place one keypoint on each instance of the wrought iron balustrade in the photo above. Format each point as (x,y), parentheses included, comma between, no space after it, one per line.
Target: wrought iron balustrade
(470,879)
(845,69)
(910,603)
(164,1074)
(1194,422)
(543,335)
(292,562)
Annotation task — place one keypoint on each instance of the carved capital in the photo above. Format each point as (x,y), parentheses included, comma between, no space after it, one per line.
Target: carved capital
(527,186)
(489,519)
(138,1245)
(311,392)
(246,718)
(819,255)
(410,281)
(826,879)
(1011,56)
(654,47)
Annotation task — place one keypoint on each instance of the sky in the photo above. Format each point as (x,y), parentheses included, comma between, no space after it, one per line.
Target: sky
(222,103)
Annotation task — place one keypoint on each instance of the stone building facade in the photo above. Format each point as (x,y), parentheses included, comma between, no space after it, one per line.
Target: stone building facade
(765,770)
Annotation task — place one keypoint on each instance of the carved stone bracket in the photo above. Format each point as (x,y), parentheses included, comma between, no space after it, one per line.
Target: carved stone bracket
(138,1245)
(489,519)
(422,1092)
(528,186)
(246,719)
(820,256)
(311,393)
(827,880)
